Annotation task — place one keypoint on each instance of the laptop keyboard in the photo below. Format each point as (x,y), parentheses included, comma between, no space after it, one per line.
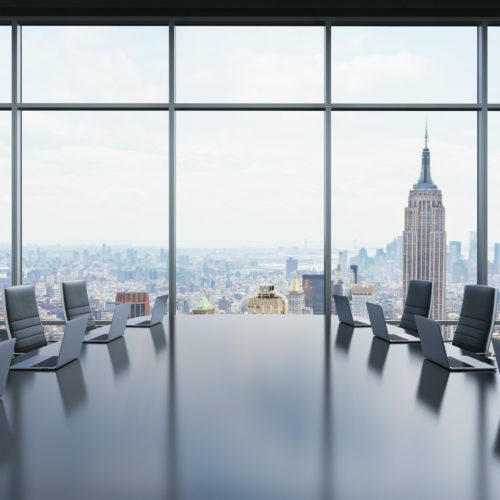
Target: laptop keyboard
(396,337)
(455,363)
(104,336)
(143,323)
(47,363)
(359,323)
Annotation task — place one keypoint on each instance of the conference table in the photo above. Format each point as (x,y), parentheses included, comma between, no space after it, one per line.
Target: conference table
(250,407)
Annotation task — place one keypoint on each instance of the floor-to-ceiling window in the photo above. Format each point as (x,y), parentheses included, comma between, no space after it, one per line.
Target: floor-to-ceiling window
(5,162)
(95,179)
(250,181)
(404,203)
(249,165)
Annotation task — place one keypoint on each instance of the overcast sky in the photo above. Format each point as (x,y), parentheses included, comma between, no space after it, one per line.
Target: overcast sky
(243,178)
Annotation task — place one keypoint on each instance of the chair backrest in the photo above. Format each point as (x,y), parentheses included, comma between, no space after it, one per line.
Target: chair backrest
(477,318)
(22,318)
(76,301)
(418,302)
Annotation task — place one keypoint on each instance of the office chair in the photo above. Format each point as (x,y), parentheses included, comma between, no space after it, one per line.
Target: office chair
(76,301)
(418,302)
(477,318)
(22,318)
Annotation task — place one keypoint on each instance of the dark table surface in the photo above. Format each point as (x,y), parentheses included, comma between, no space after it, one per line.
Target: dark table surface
(250,407)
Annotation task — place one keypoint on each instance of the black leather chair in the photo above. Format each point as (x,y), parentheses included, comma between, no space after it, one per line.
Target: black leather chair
(76,301)
(477,318)
(418,302)
(22,318)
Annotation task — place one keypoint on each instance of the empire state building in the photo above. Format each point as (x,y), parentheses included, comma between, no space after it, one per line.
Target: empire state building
(424,236)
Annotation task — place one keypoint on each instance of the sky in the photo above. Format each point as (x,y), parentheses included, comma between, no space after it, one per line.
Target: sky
(243,178)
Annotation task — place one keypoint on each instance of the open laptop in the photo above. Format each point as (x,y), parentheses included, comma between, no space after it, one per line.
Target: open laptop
(434,349)
(71,345)
(6,352)
(496,349)
(105,334)
(344,312)
(157,317)
(379,327)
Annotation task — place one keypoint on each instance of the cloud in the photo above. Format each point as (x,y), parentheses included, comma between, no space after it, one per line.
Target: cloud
(379,75)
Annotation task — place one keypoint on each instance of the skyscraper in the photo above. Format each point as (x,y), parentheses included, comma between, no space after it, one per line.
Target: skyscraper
(496,262)
(314,289)
(424,236)
(295,297)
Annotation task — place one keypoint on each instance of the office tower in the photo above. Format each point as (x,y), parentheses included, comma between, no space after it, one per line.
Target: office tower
(267,301)
(455,251)
(292,266)
(203,306)
(314,289)
(343,262)
(360,295)
(473,255)
(139,303)
(424,236)
(354,273)
(496,260)
(295,297)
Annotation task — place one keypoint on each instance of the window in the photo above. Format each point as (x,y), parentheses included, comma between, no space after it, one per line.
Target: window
(404,64)
(249,64)
(493,202)
(95,204)
(5,204)
(95,64)
(390,211)
(250,210)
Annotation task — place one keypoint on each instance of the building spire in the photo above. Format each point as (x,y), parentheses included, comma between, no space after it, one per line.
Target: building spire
(425,180)
(295,287)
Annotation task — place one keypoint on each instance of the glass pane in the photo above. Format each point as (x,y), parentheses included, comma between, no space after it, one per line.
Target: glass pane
(5,203)
(95,64)
(493,64)
(5,64)
(402,210)
(95,205)
(493,201)
(404,64)
(250,212)
(249,64)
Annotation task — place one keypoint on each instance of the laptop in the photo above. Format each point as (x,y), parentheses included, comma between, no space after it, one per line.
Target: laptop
(496,348)
(99,335)
(6,352)
(344,312)
(379,327)
(157,317)
(71,345)
(434,349)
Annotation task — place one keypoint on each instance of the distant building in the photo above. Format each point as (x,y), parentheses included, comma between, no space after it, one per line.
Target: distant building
(424,236)
(473,255)
(360,295)
(314,290)
(292,266)
(267,301)
(496,260)
(296,302)
(139,303)
(354,273)
(203,307)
